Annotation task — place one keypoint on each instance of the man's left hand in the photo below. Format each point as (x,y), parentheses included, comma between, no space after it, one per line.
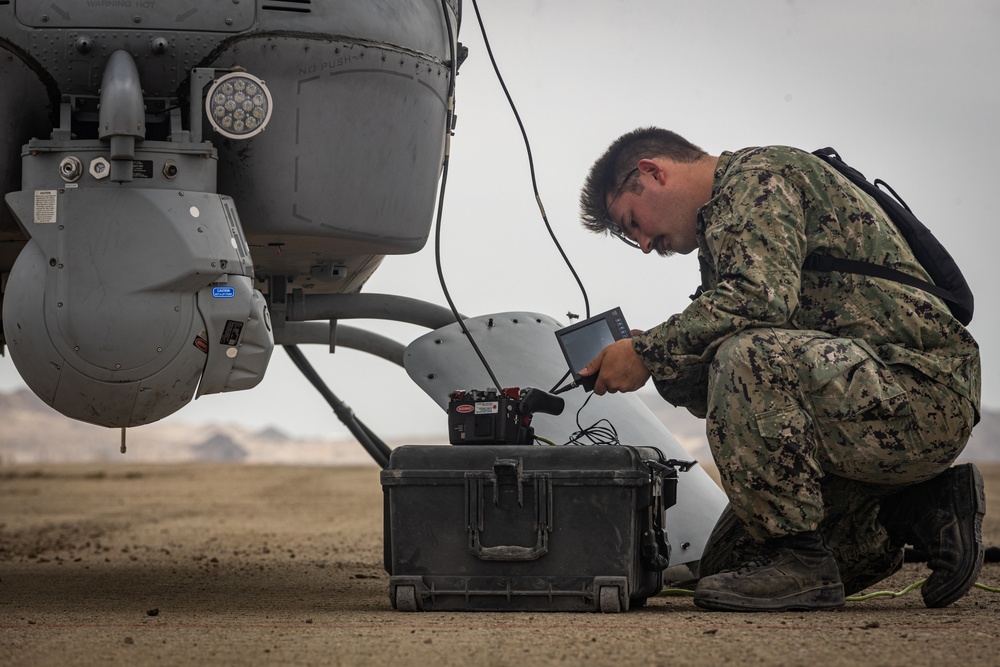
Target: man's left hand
(618,368)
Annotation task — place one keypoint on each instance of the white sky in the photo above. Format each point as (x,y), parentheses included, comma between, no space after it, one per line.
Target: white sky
(905,90)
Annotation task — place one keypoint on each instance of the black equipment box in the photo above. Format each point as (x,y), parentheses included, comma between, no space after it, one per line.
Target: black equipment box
(526,527)
(489,416)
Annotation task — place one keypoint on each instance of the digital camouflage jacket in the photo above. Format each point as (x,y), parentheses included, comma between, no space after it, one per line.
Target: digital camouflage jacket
(770,208)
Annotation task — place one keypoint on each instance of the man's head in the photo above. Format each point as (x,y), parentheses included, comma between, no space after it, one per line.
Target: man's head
(648,187)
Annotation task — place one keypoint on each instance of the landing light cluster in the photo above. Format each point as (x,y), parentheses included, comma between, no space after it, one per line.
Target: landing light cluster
(238,105)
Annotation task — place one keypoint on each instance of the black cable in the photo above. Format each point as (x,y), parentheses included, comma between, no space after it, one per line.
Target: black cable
(594,434)
(556,390)
(531,162)
(453,65)
(440,207)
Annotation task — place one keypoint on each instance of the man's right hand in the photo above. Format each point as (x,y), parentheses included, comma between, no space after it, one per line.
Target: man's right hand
(618,369)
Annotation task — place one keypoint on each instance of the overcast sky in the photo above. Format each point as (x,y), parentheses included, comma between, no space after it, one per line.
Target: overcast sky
(905,90)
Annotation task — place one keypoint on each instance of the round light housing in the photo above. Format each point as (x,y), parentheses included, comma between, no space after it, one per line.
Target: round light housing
(238,105)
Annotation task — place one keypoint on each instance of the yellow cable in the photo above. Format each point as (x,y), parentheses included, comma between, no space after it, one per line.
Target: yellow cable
(675,591)
(879,594)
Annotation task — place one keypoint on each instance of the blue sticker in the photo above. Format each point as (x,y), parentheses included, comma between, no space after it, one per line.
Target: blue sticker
(223,292)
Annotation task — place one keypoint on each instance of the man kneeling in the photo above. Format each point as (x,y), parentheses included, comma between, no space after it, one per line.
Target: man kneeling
(835,403)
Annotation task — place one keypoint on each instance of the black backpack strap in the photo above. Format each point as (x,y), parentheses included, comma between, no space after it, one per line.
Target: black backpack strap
(826,263)
(947,279)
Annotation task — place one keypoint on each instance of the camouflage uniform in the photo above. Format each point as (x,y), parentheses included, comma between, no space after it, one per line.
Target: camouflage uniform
(822,390)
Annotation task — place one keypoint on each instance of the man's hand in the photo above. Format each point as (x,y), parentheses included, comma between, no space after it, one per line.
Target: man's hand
(618,368)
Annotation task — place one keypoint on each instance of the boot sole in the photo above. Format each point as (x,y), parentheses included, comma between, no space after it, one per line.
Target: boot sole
(954,593)
(817,599)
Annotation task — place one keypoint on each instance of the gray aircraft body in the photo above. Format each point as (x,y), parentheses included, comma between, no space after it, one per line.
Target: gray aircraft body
(132,282)
(190,183)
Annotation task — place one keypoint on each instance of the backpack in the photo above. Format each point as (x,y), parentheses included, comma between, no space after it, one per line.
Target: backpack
(949,283)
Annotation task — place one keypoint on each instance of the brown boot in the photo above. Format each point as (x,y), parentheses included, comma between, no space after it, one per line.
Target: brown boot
(942,517)
(792,572)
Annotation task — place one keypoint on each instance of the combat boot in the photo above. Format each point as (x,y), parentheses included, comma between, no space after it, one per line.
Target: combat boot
(730,544)
(792,572)
(942,517)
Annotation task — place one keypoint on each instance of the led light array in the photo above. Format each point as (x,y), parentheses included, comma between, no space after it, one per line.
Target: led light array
(238,105)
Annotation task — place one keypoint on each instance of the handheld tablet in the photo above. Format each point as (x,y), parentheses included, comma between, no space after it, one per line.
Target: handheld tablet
(583,341)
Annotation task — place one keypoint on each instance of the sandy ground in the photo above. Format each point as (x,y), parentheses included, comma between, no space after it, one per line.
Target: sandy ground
(232,564)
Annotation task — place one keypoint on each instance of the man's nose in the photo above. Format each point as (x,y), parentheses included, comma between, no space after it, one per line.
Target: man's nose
(645,242)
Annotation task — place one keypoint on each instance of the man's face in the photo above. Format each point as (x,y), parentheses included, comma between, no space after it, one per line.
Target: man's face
(661,217)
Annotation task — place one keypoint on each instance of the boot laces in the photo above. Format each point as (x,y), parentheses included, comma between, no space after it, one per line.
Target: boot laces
(763,558)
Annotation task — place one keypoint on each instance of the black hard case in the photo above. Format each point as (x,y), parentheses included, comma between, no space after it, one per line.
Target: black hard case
(512,527)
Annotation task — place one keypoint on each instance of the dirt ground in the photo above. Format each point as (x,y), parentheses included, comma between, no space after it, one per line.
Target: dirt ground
(232,564)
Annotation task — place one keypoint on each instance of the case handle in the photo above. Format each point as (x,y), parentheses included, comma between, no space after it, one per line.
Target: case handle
(510,469)
(510,552)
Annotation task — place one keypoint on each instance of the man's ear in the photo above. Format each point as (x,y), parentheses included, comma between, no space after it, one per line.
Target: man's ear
(655,168)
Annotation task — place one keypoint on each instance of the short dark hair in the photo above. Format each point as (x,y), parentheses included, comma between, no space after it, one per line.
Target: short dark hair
(619,160)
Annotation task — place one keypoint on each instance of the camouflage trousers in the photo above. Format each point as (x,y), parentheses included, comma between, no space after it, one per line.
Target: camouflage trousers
(811,432)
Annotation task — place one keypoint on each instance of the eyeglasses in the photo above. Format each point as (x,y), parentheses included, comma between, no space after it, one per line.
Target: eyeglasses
(615,230)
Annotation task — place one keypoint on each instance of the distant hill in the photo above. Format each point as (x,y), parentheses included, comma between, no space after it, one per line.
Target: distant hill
(32,432)
(984,445)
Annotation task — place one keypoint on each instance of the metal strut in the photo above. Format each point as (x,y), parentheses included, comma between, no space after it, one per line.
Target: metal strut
(374,445)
